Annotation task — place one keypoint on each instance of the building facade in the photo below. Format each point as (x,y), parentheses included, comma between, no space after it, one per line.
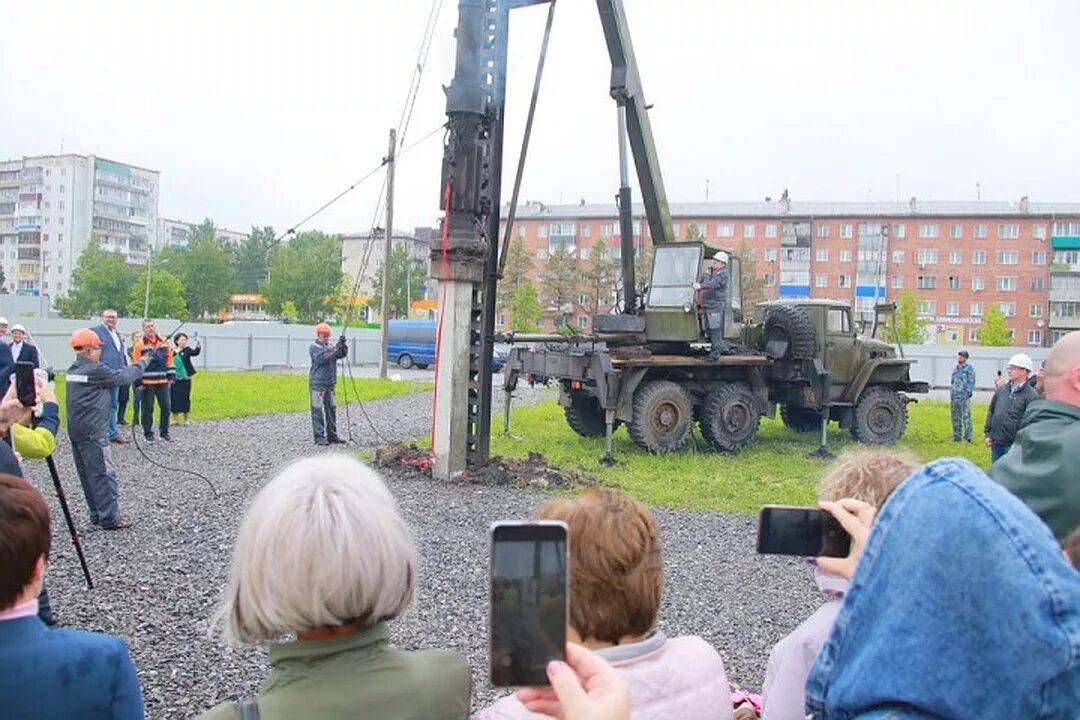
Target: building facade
(957,257)
(177,233)
(51,205)
(362,256)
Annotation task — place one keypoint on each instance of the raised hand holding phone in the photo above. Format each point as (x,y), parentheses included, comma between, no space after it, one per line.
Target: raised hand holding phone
(800,531)
(585,687)
(856,517)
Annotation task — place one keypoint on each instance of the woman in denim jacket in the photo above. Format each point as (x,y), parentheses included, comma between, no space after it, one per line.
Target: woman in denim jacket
(962,605)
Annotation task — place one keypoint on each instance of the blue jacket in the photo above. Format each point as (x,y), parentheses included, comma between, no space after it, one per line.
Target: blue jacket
(963,381)
(962,606)
(323,373)
(65,674)
(714,290)
(110,356)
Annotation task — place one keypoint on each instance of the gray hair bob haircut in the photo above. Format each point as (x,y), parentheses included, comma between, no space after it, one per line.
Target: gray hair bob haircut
(322,545)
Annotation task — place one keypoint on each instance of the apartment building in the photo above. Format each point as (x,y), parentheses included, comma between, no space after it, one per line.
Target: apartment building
(365,251)
(51,205)
(957,257)
(177,233)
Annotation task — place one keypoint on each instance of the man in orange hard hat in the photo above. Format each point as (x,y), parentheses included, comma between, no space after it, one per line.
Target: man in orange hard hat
(322,381)
(89,403)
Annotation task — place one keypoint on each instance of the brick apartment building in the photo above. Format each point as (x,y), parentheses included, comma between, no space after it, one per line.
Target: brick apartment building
(957,257)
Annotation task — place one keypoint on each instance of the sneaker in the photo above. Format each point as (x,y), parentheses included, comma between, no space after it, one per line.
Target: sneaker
(322,441)
(336,441)
(120,524)
(166,438)
(149,440)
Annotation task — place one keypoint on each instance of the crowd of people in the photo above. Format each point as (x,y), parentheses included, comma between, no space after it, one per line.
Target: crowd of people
(959,598)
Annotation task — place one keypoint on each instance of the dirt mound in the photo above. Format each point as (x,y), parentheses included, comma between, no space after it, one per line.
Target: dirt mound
(532,472)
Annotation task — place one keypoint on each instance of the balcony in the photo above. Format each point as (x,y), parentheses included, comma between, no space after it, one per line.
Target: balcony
(1060,267)
(28,223)
(28,274)
(26,253)
(1064,323)
(9,179)
(108,180)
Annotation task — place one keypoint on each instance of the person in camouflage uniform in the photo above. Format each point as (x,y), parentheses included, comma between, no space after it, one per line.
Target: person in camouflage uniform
(963,386)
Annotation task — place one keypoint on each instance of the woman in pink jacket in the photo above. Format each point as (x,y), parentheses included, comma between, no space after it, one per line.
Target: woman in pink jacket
(617,579)
(869,475)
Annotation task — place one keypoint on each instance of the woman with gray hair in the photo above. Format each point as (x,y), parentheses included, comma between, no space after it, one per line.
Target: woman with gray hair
(323,554)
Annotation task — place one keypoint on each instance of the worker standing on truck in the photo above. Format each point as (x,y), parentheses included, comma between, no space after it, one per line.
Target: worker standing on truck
(713,299)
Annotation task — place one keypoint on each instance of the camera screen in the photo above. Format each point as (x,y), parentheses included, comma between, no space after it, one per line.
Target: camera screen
(806,532)
(528,603)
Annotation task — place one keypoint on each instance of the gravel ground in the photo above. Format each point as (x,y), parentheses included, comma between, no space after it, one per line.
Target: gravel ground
(156,584)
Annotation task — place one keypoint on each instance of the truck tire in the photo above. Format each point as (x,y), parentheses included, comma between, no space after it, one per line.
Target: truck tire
(791,324)
(586,417)
(880,416)
(663,413)
(404,361)
(800,419)
(729,417)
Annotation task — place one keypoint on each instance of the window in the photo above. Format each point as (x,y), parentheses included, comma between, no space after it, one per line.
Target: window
(978,257)
(583,321)
(1008,231)
(897,281)
(980,231)
(61,204)
(952,308)
(845,256)
(1038,283)
(845,281)
(1008,257)
(956,232)
(926,257)
(821,255)
(725,231)
(926,282)
(927,307)
(978,283)
(61,188)
(769,279)
(976,310)
(837,321)
(821,280)
(500,319)
(900,231)
(928,231)
(770,231)
(607,230)
(952,335)
(1005,284)
(1038,257)
(1034,337)
(1035,310)
(1007,309)
(845,230)
(1038,232)
(954,282)
(751,254)
(973,335)
(823,231)
(898,257)
(770,254)
(63,172)
(1062,227)
(585,253)
(582,299)
(586,231)
(541,253)
(541,232)
(955,257)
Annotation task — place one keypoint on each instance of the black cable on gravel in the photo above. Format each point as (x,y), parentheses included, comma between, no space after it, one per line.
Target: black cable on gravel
(157,583)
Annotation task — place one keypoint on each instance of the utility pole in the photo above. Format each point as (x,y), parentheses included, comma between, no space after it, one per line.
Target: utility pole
(389,249)
(146,299)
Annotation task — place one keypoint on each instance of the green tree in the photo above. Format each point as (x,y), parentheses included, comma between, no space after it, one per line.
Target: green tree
(251,259)
(907,326)
(560,280)
(525,310)
(599,277)
(3,283)
(693,232)
(994,331)
(100,280)
(406,281)
(166,296)
(307,271)
(289,311)
(518,270)
(753,285)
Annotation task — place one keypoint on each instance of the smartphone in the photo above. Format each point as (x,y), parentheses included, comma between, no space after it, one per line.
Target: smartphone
(529,597)
(25,387)
(803,531)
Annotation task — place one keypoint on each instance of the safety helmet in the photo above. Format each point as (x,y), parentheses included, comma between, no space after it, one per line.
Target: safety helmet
(322,329)
(17,327)
(721,256)
(1022,360)
(84,338)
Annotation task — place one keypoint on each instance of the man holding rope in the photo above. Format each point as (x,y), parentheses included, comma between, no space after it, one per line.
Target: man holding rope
(322,381)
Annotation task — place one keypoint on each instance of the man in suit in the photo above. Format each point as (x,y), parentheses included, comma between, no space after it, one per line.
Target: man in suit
(113,356)
(55,673)
(21,349)
(7,366)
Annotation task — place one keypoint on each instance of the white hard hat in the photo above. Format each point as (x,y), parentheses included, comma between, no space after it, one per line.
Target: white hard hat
(17,326)
(3,321)
(1022,360)
(721,256)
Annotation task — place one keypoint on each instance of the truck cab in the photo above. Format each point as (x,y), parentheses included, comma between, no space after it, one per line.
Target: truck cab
(671,310)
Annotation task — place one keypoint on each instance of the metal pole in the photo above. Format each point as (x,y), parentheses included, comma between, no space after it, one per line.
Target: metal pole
(626,219)
(146,299)
(389,249)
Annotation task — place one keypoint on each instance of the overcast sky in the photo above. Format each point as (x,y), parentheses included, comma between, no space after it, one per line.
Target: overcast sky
(258,112)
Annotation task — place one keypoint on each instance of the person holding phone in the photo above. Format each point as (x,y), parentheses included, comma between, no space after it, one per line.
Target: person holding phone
(88,407)
(185,371)
(616,586)
(323,554)
(954,578)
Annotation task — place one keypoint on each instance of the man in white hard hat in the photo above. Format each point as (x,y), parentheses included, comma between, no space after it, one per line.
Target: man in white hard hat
(4,329)
(713,293)
(1008,406)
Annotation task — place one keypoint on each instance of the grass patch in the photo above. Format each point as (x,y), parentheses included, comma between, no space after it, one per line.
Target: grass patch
(221,395)
(775,469)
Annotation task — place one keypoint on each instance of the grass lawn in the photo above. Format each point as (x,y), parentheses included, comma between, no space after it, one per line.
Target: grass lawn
(775,469)
(219,395)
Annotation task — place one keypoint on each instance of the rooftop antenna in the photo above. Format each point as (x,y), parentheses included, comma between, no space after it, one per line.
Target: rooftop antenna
(978,191)
(897,187)
(706,189)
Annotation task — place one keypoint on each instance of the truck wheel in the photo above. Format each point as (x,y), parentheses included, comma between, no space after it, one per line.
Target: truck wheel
(586,417)
(404,361)
(663,412)
(800,419)
(880,416)
(729,417)
(790,330)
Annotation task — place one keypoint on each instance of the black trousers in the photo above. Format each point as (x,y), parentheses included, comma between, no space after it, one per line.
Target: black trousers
(161,392)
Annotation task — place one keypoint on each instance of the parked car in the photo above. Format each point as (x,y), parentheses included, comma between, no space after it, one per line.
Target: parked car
(411,343)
